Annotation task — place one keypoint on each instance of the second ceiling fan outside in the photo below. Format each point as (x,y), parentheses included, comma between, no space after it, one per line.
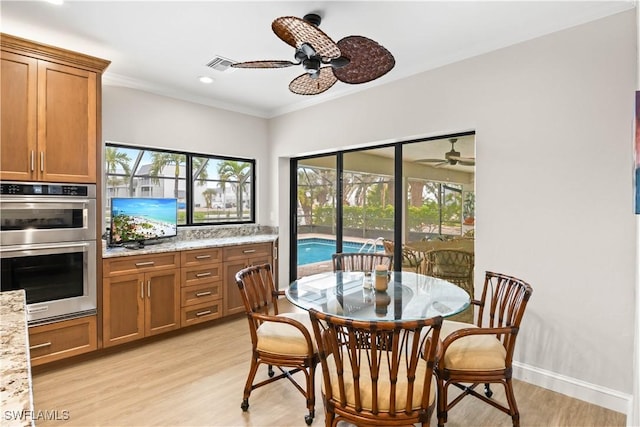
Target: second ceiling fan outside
(451,157)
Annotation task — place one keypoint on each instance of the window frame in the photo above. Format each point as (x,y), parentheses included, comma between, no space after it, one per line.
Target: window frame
(189,181)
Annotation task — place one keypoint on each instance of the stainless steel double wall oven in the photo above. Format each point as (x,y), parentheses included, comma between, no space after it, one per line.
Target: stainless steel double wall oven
(48,247)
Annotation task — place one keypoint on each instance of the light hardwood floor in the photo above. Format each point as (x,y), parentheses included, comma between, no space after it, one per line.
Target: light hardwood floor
(196,379)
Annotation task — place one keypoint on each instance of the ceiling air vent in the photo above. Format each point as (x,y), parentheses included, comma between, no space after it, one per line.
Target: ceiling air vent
(219,63)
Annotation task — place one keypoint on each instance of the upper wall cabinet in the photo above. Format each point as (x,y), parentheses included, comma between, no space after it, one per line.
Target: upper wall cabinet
(50,112)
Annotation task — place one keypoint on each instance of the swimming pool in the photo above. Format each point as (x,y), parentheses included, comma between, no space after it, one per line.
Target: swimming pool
(318,250)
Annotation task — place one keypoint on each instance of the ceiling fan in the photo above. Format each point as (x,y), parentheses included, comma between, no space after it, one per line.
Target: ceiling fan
(353,60)
(451,157)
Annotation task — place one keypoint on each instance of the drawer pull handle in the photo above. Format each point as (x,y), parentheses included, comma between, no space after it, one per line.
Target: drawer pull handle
(248,251)
(203,294)
(203,256)
(144,264)
(32,161)
(44,344)
(208,273)
(203,313)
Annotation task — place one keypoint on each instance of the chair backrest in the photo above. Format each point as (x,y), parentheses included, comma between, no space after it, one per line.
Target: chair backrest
(377,371)
(360,261)
(502,304)
(409,257)
(453,265)
(257,289)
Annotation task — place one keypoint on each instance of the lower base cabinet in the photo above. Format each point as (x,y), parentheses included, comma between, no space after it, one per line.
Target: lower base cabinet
(140,304)
(63,339)
(144,295)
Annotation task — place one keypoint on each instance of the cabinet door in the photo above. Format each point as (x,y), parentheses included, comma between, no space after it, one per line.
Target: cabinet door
(123,309)
(18,117)
(162,301)
(232,299)
(67,120)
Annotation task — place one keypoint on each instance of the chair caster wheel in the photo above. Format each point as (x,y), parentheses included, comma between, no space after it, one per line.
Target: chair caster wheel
(245,405)
(487,391)
(308,419)
(270,371)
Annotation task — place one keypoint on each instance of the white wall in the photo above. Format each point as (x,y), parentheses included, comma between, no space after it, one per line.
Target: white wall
(554,172)
(139,118)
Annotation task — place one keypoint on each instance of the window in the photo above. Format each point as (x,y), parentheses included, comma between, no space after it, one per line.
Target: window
(220,191)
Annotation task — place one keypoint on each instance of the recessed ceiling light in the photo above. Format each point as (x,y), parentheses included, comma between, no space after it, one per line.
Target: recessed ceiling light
(57,2)
(205,79)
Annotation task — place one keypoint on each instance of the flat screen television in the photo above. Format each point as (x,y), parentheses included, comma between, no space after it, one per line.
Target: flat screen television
(142,220)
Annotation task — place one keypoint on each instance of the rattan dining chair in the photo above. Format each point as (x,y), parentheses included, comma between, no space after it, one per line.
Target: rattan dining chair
(377,373)
(483,353)
(410,259)
(455,266)
(283,340)
(360,261)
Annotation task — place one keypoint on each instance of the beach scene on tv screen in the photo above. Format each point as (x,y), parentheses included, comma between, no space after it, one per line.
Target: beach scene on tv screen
(142,219)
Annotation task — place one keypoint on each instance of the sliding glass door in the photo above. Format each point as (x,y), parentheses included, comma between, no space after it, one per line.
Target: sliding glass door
(352,200)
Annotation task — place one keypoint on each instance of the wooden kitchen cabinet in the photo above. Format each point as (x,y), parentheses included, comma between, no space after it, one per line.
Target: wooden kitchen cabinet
(55,341)
(141,297)
(201,285)
(235,258)
(50,112)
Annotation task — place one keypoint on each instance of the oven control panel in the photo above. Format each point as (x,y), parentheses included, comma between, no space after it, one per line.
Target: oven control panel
(37,189)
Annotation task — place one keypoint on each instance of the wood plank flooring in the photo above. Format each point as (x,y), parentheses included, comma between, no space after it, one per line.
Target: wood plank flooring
(196,379)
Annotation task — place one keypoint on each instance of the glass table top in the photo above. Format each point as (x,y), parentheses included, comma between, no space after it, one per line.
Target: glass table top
(409,296)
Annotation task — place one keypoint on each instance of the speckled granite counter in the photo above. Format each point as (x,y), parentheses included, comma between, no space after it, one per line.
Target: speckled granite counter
(16,397)
(181,245)
(201,237)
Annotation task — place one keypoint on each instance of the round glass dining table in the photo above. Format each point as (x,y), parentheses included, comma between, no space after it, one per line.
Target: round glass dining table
(409,296)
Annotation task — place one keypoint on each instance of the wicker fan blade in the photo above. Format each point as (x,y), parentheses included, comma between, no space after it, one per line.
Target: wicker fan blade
(295,31)
(264,64)
(367,60)
(306,84)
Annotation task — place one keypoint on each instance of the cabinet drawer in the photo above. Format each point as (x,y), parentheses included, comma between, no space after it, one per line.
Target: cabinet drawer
(200,294)
(201,313)
(233,253)
(195,275)
(139,264)
(62,339)
(200,256)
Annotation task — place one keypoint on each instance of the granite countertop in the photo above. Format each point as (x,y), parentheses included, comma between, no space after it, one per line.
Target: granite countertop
(16,397)
(186,244)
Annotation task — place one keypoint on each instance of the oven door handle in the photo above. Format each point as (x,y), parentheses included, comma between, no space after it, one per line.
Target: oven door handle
(44,248)
(36,201)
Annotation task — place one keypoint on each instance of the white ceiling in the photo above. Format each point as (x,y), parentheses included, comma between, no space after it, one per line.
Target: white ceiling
(164,46)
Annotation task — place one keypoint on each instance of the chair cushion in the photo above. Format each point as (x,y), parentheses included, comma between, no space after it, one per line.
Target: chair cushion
(476,352)
(280,338)
(384,385)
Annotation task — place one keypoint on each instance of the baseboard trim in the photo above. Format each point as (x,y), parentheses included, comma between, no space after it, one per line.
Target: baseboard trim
(578,389)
